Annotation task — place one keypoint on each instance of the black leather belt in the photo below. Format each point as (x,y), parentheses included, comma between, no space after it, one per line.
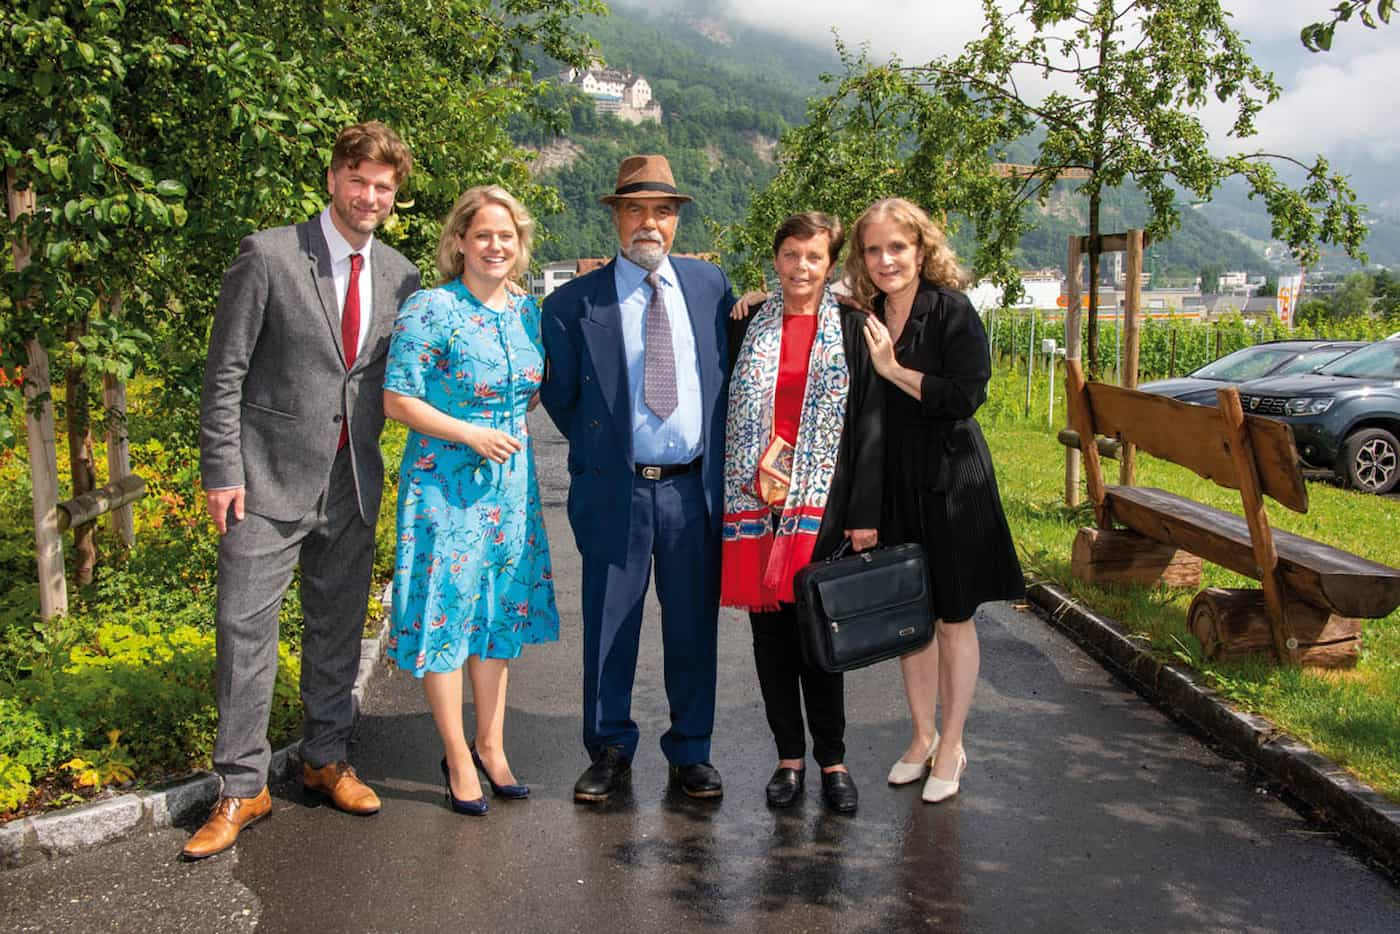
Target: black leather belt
(666,471)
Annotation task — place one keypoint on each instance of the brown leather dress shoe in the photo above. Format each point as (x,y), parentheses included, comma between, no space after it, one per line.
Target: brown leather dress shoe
(342,786)
(230,815)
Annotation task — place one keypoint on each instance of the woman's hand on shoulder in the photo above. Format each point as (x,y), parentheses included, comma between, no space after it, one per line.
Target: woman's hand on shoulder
(863,539)
(745,304)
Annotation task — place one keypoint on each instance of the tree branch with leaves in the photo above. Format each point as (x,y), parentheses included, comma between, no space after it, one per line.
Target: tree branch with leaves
(1125,84)
(1317,37)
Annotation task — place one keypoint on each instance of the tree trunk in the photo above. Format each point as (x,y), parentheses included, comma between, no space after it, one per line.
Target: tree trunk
(81,465)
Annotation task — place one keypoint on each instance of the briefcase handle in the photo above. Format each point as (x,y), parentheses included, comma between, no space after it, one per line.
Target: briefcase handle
(845,549)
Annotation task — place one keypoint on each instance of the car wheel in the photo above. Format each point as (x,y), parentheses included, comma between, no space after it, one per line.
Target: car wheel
(1371,460)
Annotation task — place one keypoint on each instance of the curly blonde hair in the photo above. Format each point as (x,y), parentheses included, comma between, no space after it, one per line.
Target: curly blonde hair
(449,258)
(940,262)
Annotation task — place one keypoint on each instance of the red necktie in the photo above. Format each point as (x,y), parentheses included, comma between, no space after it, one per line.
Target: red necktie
(350,331)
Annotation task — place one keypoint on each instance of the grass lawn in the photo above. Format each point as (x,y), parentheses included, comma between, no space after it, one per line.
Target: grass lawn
(1352,717)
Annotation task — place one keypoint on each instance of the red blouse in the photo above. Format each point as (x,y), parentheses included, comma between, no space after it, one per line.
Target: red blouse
(798,333)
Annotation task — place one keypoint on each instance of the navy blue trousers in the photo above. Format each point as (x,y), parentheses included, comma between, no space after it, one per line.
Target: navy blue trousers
(670,531)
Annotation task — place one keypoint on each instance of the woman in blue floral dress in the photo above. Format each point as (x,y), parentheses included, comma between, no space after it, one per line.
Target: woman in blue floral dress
(472,581)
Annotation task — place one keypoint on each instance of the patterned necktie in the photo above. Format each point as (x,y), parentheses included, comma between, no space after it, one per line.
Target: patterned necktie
(350,331)
(659,369)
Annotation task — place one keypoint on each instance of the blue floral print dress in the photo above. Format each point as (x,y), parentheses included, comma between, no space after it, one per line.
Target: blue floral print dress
(472,574)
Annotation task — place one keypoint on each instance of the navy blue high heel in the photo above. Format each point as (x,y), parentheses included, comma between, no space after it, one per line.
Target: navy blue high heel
(476,807)
(500,791)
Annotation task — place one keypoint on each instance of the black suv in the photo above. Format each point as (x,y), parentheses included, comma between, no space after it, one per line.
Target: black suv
(1345,416)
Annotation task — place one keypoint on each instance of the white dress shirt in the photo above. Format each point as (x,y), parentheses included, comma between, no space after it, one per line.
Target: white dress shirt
(679,438)
(340,272)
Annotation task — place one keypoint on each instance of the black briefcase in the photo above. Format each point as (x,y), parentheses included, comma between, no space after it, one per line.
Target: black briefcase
(857,609)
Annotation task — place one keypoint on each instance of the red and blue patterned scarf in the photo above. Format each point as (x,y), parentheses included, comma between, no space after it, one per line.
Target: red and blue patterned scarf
(758,566)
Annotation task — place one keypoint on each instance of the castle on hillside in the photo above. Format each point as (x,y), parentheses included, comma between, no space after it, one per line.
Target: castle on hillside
(622,94)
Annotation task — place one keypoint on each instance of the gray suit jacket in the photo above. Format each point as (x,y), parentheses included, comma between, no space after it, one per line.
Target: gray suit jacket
(276,387)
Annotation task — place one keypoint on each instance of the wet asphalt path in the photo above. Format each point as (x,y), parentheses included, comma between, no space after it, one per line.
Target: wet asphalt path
(1083,809)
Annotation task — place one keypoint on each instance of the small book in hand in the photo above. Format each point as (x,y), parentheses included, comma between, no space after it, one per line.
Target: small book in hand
(774,472)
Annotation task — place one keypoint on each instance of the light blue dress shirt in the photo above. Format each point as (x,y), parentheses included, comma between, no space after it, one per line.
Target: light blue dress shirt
(678,439)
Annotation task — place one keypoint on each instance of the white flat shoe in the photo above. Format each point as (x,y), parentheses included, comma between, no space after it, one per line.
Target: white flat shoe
(905,773)
(937,789)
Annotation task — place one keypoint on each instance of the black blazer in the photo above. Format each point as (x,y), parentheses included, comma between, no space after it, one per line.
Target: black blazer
(855,498)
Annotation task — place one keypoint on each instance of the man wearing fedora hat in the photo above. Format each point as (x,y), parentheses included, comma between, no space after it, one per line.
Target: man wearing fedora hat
(637,382)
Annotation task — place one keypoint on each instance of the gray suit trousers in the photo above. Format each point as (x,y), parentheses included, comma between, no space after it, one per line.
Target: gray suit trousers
(257,557)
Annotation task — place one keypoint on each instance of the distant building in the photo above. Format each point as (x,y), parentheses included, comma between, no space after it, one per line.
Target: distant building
(551,276)
(621,94)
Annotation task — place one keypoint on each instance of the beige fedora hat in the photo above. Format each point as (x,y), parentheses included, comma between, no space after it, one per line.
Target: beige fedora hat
(644,177)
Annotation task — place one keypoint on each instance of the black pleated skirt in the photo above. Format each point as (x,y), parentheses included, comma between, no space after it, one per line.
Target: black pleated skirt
(941,491)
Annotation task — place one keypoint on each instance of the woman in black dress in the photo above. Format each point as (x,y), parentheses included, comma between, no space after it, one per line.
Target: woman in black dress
(928,343)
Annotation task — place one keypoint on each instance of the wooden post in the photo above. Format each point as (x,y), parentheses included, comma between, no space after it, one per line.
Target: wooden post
(118,447)
(1171,362)
(43,458)
(1132,339)
(1072,342)
(1082,420)
(1261,537)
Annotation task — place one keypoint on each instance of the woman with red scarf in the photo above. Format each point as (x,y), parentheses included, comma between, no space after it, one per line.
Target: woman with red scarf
(803,461)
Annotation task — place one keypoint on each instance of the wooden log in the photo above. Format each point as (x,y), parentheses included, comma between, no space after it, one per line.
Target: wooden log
(118,454)
(1113,243)
(1232,624)
(1328,578)
(1073,339)
(1121,556)
(1194,435)
(1081,416)
(39,429)
(86,508)
(1107,446)
(1260,534)
(1132,339)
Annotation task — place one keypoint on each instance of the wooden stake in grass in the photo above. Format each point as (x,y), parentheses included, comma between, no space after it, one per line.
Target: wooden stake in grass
(38,419)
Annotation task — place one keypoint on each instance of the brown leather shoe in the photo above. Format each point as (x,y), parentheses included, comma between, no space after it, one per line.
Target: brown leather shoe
(230,815)
(342,786)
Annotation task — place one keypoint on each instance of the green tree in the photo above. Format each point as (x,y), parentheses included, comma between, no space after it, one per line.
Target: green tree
(1210,277)
(155,135)
(1352,298)
(111,116)
(1129,78)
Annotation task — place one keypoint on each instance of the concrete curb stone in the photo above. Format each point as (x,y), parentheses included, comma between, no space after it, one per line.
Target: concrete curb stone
(60,833)
(1357,809)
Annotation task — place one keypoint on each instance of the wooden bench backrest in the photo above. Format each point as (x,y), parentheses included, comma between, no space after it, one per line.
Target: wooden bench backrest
(1195,436)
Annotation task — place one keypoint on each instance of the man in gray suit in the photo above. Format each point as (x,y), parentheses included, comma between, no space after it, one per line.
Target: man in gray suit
(289,457)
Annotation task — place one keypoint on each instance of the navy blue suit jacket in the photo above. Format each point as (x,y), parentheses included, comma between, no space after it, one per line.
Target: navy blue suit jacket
(586,394)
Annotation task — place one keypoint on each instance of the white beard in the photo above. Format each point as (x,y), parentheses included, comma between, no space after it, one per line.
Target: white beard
(647,254)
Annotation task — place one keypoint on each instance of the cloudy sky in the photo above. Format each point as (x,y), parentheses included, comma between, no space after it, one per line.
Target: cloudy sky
(1340,103)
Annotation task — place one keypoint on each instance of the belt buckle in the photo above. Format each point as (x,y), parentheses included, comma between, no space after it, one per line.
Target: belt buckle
(650,472)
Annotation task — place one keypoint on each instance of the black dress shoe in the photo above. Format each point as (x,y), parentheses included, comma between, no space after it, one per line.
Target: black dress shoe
(698,780)
(785,787)
(839,792)
(607,773)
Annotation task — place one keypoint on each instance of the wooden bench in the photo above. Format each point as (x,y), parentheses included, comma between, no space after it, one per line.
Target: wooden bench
(1312,595)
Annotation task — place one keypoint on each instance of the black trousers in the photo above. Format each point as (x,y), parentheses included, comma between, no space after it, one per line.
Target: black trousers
(787,681)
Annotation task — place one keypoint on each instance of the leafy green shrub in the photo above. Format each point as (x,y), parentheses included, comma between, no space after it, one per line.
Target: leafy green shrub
(26,739)
(151,686)
(156,687)
(14,784)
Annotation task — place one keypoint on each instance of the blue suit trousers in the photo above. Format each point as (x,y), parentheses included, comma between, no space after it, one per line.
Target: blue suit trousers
(669,529)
